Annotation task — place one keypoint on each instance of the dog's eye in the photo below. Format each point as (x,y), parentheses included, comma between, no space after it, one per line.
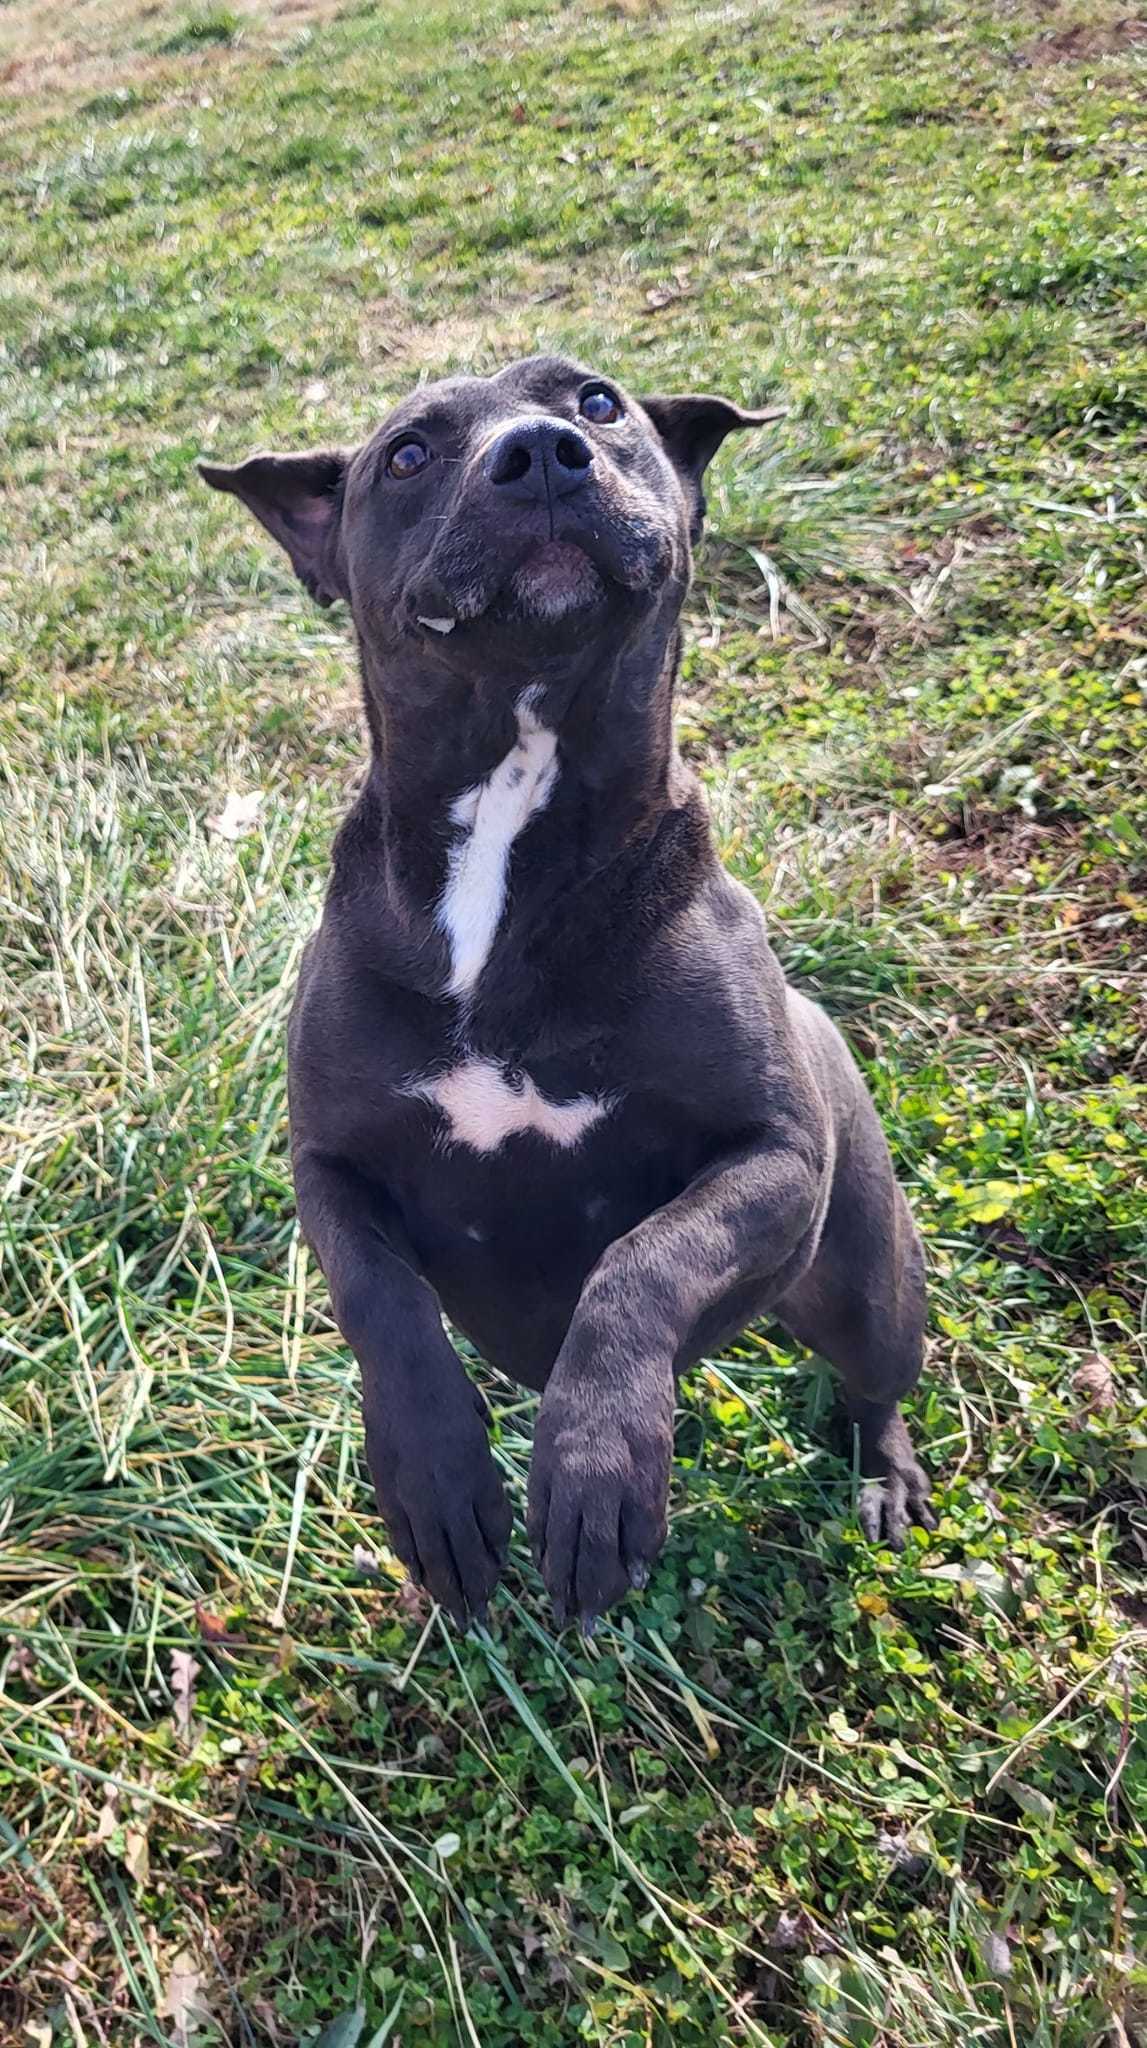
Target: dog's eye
(600,407)
(407,458)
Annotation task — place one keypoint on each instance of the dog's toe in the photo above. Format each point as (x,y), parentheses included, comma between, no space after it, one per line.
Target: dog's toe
(889,1506)
(870,1508)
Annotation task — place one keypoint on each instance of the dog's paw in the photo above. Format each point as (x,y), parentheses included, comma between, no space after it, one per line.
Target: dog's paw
(895,1488)
(890,1503)
(441,1497)
(599,1488)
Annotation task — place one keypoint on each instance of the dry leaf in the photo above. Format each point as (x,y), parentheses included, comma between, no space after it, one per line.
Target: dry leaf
(184,2002)
(1094,1382)
(661,295)
(239,815)
(137,1860)
(796,1929)
(910,1856)
(211,1627)
(107,1820)
(184,1672)
(22,1660)
(997,1955)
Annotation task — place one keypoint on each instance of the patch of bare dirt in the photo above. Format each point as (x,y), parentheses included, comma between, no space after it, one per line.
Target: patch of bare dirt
(456,342)
(110,43)
(478,341)
(1085,40)
(1000,847)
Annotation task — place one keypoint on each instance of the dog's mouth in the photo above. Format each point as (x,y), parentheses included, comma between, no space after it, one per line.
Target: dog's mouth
(552,580)
(556,577)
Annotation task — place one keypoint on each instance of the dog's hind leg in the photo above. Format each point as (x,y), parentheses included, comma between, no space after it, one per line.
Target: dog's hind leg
(861,1305)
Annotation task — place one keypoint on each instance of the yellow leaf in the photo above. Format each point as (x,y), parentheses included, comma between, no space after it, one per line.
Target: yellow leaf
(988,1203)
(872,1603)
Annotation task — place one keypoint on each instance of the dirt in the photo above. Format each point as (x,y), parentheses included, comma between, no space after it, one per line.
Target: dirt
(1086,40)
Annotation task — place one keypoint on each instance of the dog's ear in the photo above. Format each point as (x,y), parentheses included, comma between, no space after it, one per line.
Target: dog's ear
(298,498)
(692,428)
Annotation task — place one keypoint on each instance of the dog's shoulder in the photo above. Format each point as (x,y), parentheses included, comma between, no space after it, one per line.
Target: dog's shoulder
(358,1027)
(710,1026)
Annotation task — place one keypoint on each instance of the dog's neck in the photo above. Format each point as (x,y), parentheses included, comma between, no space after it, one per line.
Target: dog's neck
(590,732)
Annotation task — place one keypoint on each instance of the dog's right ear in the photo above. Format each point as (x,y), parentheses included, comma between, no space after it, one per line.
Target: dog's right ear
(298,498)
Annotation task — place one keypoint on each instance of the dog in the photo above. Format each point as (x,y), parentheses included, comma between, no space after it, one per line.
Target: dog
(545,1072)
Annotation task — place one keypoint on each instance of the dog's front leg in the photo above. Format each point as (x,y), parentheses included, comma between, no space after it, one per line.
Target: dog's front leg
(438,1488)
(599,1480)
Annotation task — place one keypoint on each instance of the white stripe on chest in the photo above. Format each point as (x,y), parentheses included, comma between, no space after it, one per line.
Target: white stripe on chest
(492,815)
(483,1107)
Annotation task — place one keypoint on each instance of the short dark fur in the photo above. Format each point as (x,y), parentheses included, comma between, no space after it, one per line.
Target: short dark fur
(742,1171)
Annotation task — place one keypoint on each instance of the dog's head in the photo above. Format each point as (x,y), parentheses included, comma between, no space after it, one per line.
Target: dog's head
(520,509)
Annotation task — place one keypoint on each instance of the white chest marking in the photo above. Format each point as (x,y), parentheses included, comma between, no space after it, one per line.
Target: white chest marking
(483,1108)
(492,813)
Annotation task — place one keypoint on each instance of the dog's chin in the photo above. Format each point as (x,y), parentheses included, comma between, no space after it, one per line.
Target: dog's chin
(556,578)
(554,581)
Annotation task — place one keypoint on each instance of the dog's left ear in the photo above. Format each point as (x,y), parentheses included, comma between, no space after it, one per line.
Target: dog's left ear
(298,498)
(692,428)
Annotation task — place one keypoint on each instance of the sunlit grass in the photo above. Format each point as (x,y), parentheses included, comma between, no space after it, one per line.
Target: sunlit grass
(801,1791)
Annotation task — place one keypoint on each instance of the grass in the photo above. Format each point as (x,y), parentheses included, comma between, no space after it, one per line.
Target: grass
(802,1791)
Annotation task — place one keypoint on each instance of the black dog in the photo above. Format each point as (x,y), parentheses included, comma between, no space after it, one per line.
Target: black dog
(545,1072)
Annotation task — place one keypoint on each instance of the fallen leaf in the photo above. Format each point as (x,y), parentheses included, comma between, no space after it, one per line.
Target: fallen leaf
(797,1929)
(184,1672)
(136,1856)
(22,1660)
(1094,1382)
(184,2002)
(659,296)
(997,1955)
(211,1628)
(905,1853)
(107,1820)
(238,816)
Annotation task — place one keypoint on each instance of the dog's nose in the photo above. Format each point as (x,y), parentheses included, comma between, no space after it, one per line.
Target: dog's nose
(539,459)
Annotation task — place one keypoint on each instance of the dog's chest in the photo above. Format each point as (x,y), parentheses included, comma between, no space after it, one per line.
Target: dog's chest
(483,1102)
(488,818)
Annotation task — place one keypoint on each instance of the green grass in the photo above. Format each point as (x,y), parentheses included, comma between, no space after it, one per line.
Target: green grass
(802,1791)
